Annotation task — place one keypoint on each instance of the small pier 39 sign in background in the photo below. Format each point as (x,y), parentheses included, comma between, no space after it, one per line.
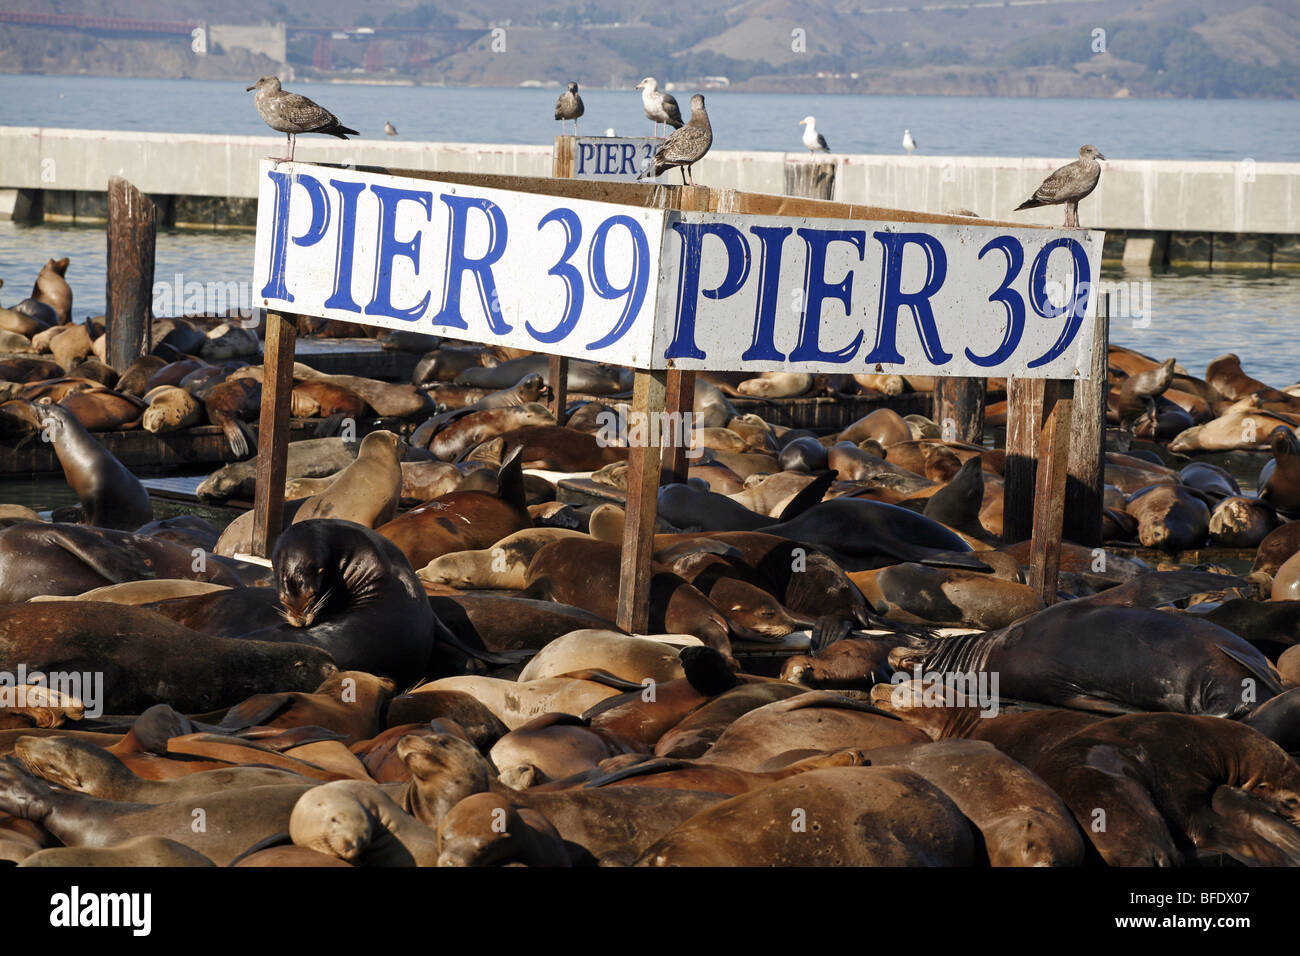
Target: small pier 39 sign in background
(653,288)
(613,158)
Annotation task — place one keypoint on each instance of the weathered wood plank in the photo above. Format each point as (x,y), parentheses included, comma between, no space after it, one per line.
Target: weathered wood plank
(1024,419)
(1049,489)
(644,460)
(558,378)
(959,408)
(273,432)
(1087,460)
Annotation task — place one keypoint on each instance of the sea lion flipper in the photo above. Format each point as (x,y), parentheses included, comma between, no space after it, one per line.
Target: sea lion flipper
(646,767)
(510,479)
(117,565)
(1268,680)
(829,629)
(261,709)
(812,494)
(599,676)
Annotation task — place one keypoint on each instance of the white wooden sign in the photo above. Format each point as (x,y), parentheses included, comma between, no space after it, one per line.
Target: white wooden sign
(655,289)
(613,158)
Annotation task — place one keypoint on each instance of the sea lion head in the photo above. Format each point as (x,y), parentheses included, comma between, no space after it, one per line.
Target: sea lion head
(1283,442)
(66,761)
(444,770)
(322,564)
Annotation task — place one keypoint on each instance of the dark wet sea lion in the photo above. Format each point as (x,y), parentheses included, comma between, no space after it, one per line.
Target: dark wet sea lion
(833,817)
(1278,719)
(233,820)
(588,378)
(1170,785)
(1279,480)
(559,449)
(147,659)
(1272,626)
(52,289)
(497,623)
(1209,478)
(1022,822)
(110,495)
(345,589)
(915,592)
(803,454)
(100,409)
(1138,391)
(38,558)
(1241,522)
(445,363)
(488,829)
(1110,659)
(958,503)
(1276,547)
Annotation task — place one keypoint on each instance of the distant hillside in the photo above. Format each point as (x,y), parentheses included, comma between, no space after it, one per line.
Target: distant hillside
(1150,48)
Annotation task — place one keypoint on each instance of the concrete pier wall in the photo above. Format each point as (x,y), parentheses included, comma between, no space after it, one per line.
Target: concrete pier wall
(1245,213)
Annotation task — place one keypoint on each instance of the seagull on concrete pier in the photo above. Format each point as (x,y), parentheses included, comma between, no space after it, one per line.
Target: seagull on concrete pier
(814,140)
(291,113)
(909,144)
(389,129)
(686,146)
(1068,185)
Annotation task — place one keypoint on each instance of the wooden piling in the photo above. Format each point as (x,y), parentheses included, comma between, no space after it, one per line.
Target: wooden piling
(273,431)
(132,231)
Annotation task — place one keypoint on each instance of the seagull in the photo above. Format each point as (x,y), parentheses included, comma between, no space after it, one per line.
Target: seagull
(1069,184)
(909,144)
(684,147)
(814,140)
(659,106)
(569,107)
(292,114)
(389,129)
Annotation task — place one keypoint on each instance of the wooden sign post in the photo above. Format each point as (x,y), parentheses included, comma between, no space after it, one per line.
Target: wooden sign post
(668,281)
(273,431)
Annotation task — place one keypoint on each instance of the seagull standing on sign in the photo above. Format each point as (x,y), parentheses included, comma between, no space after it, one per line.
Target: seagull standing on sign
(292,114)
(569,107)
(686,146)
(909,144)
(659,106)
(814,140)
(1068,185)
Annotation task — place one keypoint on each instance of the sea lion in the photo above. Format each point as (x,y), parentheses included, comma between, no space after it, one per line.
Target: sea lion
(233,820)
(1239,430)
(345,589)
(553,747)
(634,659)
(1107,658)
(100,409)
(1170,785)
(51,288)
(229,406)
(357,822)
(170,409)
(1279,479)
(832,817)
(914,592)
(803,454)
(472,427)
(588,378)
(316,399)
(309,458)
(38,559)
(70,344)
(1225,376)
(1240,522)
(852,663)
(139,851)
(1170,517)
(496,623)
(462,520)
(486,829)
(110,496)
(814,720)
(515,703)
(1022,822)
(883,425)
(445,363)
(1276,720)
(776,385)
(139,592)
(1210,479)
(366,491)
(503,566)
(148,659)
(559,449)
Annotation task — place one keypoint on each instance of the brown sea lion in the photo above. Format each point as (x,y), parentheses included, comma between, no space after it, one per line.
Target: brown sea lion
(555,746)
(366,491)
(1241,522)
(475,427)
(1170,517)
(503,566)
(1279,480)
(560,449)
(487,829)
(170,409)
(317,399)
(776,385)
(229,406)
(1225,376)
(832,817)
(358,823)
(1276,547)
(883,425)
(915,592)
(1244,430)
(139,851)
(52,289)
(101,409)
(515,703)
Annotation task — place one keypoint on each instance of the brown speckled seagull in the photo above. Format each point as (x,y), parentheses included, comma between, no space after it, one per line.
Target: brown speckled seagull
(569,107)
(291,113)
(686,146)
(1069,185)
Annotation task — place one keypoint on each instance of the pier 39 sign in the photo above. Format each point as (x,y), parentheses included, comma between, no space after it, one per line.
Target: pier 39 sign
(653,288)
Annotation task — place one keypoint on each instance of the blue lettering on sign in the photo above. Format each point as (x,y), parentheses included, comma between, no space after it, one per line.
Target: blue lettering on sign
(636,283)
(571,277)
(771,240)
(816,290)
(892,298)
(458,263)
(390,248)
(341,298)
(628,164)
(1075,308)
(688,279)
(275,287)
(1010,299)
(585,150)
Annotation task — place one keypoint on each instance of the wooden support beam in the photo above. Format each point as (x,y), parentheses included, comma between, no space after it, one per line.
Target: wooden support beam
(1024,420)
(680,399)
(273,431)
(959,408)
(132,230)
(558,378)
(562,157)
(648,397)
(1049,489)
(1085,485)
(810,179)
